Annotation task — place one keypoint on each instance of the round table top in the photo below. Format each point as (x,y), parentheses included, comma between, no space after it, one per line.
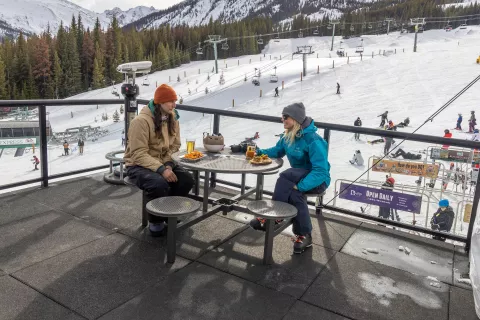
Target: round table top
(225,162)
(172,206)
(270,209)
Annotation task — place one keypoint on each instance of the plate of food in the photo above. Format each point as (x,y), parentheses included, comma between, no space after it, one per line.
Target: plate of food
(261,160)
(193,156)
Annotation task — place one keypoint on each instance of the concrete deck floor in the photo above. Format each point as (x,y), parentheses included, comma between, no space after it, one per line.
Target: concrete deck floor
(76,250)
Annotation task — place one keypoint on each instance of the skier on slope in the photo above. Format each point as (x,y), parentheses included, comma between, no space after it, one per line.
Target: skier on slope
(403,124)
(338,88)
(276,92)
(476,135)
(384,118)
(448,134)
(406,155)
(357,123)
(65,147)
(472,122)
(35,162)
(357,158)
(459,122)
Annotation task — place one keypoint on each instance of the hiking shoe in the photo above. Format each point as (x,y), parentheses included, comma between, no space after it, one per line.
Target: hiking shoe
(301,243)
(259,223)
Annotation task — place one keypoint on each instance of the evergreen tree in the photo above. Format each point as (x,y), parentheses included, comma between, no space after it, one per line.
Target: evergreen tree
(3,86)
(88,54)
(57,76)
(41,68)
(116,116)
(98,80)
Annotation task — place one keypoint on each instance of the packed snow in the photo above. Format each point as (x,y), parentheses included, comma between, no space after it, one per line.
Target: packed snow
(406,84)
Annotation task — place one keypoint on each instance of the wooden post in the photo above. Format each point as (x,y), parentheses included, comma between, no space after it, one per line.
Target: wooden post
(233,103)
(260,93)
(184,74)
(250,61)
(361,57)
(395,50)
(270,57)
(156,84)
(33,148)
(169,78)
(283,85)
(348,60)
(301,76)
(317,55)
(333,64)
(318,69)
(238,62)
(403,49)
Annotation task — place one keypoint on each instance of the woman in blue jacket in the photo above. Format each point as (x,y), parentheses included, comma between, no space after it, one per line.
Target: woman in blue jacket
(310,171)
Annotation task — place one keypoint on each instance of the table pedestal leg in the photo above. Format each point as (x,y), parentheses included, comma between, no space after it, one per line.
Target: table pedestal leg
(242,188)
(171,242)
(259,188)
(196,176)
(268,248)
(205,191)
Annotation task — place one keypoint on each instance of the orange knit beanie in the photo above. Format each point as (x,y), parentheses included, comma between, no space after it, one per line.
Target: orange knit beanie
(163,94)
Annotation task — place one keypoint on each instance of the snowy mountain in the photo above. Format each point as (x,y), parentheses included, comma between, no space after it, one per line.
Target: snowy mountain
(198,12)
(35,16)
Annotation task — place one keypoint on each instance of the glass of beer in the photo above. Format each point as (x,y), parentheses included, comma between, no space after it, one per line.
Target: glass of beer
(250,152)
(190,145)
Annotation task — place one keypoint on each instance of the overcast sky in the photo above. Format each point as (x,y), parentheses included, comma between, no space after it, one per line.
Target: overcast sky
(102,5)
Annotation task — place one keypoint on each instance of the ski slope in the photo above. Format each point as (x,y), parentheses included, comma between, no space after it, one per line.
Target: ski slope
(406,84)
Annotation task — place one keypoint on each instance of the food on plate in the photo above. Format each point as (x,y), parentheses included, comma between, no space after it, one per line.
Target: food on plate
(194,155)
(261,159)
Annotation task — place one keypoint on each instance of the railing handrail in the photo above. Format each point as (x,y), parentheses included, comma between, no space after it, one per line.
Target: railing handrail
(258,117)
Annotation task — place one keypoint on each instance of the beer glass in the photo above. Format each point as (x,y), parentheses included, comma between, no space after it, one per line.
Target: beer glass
(190,145)
(250,151)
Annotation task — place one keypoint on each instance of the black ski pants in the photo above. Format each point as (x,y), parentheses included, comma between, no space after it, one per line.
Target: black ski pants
(156,186)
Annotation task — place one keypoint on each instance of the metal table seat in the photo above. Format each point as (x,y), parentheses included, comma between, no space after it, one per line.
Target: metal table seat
(114,176)
(132,182)
(171,208)
(271,211)
(318,200)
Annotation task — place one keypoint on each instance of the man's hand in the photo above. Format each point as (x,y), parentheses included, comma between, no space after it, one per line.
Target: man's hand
(169,175)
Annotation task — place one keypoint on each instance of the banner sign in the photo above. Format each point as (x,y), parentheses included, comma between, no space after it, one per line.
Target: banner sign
(382,198)
(453,155)
(406,168)
(17,143)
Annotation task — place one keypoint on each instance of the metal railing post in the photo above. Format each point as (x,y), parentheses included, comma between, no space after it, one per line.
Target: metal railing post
(319,202)
(42,118)
(476,198)
(216,130)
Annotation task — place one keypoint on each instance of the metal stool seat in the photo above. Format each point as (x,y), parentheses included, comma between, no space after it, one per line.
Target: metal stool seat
(318,200)
(171,208)
(133,183)
(271,211)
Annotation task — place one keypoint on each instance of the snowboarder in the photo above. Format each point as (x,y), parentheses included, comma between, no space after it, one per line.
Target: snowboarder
(35,162)
(442,220)
(476,135)
(123,137)
(406,155)
(357,123)
(391,126)
(388,145)
(382,140)
(448,134)
(384,212)
(472,122)
(338,88)
(357,158)
(65,148)
(276,92)
(384,118)
(403,124)
(81,144)
(459,122)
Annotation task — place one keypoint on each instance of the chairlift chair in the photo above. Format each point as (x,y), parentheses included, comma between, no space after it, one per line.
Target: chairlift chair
(359,49)
(300,34)
(273,78)
(370,26)
(256,81)
(315,32)
(329,27)
(463,26)
(199,49)
(352,28)
(260,41)
(225,46)
(277,38)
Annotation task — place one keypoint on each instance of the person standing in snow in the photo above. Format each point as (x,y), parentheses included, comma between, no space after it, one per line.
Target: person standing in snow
(384,118)
(472,122)
(310,171)
(357,158)
(442,220)
(448,134)
(81,144)
(276,92)
(65,148)
(123,137)
(476,135)
(459,122)
(338,88)
(384,212)
(357,123)
(35,162)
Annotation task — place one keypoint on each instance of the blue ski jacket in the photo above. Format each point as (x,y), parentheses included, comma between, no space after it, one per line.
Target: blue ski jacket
(309,151)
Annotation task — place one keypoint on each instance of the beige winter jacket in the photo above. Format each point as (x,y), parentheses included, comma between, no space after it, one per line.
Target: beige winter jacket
(144,148)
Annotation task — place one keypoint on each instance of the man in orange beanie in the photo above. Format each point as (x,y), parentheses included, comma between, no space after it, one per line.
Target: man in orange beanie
(153,136)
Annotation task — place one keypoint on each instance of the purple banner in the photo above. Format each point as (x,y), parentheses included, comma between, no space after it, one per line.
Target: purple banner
(380,197)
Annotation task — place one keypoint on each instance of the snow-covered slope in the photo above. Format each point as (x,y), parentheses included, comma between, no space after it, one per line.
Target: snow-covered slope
(35,16)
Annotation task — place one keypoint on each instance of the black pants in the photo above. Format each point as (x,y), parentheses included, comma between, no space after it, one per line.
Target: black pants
(382,123)
(156,186)
(66,151)
(357,136)
(338,90)
(399,152)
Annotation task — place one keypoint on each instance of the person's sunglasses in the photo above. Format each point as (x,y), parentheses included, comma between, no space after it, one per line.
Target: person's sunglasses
(285,116)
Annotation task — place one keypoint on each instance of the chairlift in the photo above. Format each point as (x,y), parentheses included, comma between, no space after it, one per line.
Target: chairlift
(329,27)
(273,78)
(352,28)
(463,26)
(225,46)
(199,49)
(315,32)
(277,38)
(359,49)
(370,26)
(260,41)
(300,34)
(256,80)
